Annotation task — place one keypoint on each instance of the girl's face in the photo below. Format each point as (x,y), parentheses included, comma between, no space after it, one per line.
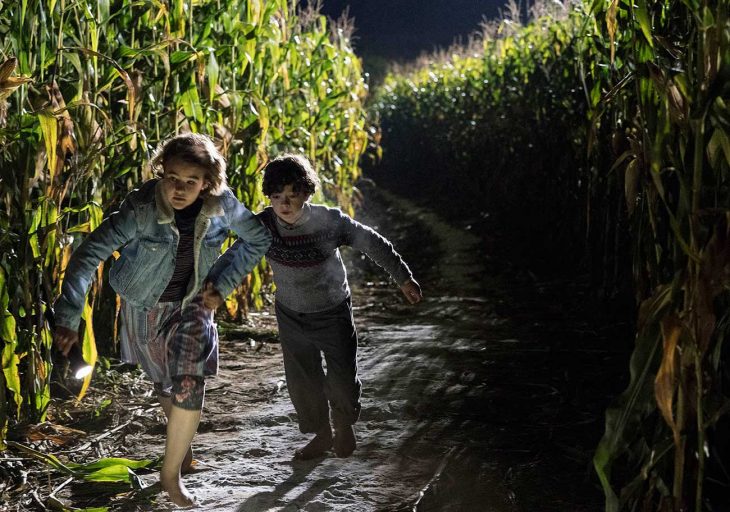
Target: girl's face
(183,181)
(288,204)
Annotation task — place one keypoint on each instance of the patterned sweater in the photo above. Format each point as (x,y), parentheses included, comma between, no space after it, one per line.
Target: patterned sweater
(308,269)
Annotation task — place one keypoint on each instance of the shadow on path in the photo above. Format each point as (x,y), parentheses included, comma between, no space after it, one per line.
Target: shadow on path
(295,491)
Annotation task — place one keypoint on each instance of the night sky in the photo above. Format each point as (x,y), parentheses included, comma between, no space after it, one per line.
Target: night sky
(403,29)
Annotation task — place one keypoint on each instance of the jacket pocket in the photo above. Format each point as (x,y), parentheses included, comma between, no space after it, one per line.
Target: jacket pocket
(142,268)
(120,274)
(215,239)
(209,252)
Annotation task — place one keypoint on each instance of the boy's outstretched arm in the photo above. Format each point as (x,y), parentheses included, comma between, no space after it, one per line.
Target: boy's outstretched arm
(381,251)
(412,290)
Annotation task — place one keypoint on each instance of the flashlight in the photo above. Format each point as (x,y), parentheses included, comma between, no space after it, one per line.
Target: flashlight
(76,363)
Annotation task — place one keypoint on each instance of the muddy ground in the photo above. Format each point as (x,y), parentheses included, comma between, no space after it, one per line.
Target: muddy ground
(487,396)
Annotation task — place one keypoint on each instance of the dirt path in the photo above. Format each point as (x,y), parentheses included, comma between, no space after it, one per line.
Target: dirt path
(420,371)
(487,396)
(475,400)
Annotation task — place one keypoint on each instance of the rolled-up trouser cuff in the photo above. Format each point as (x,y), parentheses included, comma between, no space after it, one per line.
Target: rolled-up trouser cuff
(188,392)
(347,417)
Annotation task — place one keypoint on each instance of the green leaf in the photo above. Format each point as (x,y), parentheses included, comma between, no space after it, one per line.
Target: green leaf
(43,391)
(104,10)
(49,128)
(127,51)
(96,215)
(717,147)
(48,459)
(113,473)
(88,345)
(189,101)
(34,245)
(637,401)
(113,461)
(213,73)
(124,170)
(10,359)
(36,221)
(180,56)
(708,20)
(642,16)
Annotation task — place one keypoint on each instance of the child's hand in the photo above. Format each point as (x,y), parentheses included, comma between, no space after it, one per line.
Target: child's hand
(64,338)
(212,299)
(412,291)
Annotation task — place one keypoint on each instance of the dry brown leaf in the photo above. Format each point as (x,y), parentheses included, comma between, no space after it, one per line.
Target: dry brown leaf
(8,83)
(712,279)
(66,145)
(7,68)
(57,434)
(665,384)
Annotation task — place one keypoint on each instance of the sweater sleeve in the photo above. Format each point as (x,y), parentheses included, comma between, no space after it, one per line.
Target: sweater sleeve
(115,231)
(373,245)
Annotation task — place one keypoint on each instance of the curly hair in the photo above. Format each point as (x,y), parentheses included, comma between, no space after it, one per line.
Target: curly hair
(290,169)
(194,148)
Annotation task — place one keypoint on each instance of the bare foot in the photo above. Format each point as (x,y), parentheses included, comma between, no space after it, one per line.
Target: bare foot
(187,462)
(316,447)
(177,491)
(344,442)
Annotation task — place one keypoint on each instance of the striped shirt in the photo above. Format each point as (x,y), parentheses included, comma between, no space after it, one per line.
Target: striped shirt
(184,259)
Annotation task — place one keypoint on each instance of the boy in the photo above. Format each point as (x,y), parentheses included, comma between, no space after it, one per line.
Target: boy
(313,305)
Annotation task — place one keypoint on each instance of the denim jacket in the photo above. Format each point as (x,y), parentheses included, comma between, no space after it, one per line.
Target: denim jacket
(145,230)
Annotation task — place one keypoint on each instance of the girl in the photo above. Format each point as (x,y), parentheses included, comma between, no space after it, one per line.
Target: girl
(170,232)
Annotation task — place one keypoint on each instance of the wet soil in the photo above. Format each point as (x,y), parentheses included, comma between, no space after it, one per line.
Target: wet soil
(487,396)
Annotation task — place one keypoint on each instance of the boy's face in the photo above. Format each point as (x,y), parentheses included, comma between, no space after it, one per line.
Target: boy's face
(288,204)
(183,182)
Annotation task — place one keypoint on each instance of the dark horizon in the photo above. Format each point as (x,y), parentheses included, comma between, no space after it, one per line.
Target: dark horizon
(401,30)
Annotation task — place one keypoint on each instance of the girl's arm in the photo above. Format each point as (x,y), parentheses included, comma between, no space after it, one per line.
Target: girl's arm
(241,257)
(112,233)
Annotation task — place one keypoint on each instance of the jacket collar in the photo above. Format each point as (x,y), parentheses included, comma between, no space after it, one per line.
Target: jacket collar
(212,206)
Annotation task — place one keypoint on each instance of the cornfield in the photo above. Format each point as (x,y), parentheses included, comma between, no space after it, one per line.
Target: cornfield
(606,126)
(493,122)
(87,91)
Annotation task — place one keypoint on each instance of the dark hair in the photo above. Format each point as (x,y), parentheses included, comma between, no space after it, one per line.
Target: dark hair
(197,149)
(288,169)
